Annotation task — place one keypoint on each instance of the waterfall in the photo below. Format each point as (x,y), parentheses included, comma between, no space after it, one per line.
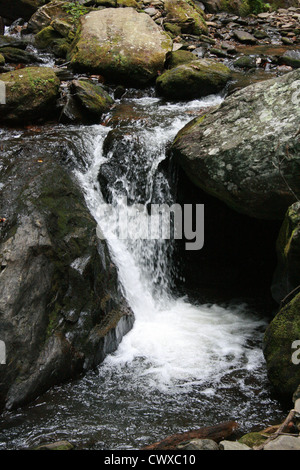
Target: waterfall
(173,344)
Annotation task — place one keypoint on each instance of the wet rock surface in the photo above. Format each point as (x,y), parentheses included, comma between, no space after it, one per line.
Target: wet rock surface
(279,346)
(287,276)
(246,152)
(61,308)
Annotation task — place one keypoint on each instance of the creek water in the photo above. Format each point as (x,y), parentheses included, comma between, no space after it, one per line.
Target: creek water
(183,365)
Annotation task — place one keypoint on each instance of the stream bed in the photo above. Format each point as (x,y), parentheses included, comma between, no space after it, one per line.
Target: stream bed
(183,365)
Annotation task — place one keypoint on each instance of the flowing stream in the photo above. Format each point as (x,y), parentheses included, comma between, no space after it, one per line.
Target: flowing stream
(183,365)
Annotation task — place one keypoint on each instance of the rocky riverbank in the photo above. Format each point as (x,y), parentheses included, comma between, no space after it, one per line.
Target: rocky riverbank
(61,308)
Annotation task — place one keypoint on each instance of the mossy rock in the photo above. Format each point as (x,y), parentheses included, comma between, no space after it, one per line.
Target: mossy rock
(46,37)
(61,48)
(11,41)
(179,57)
(291,58)
(31,94)
(2,60)
(129,4)
(193,80)
(121,44)
(92,98)
(252,439)
(246,61)
(18,56)
(57,10)
(287,275)
(60,445)
(64,28)
(283,370)
(105,3)
(172,28)
(186,15)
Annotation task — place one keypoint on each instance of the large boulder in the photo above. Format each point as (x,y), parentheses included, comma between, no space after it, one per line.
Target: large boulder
(246,152)
(121,44)
(281,349)
(193,80)
(31,94)
(14,9)
(61,309)
(287,276)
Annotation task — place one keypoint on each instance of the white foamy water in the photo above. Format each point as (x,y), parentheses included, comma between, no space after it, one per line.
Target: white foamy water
(173,343)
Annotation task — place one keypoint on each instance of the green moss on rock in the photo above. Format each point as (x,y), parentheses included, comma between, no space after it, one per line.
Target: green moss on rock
(2,60)
(121,44)
(287,274)
(128,4)
(31,94)
(46,37)
(92,98)
(283,372)
(172,28)
(193,80)
(180,57)
(252,439)
(186,15)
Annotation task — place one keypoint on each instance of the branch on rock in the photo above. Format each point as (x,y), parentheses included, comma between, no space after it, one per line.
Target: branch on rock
(281,430)
(217,433)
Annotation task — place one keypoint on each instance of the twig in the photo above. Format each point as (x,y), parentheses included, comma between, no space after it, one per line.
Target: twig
(279,431)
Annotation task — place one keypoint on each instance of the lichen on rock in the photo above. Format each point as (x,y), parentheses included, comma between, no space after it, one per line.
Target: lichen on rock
(246,151)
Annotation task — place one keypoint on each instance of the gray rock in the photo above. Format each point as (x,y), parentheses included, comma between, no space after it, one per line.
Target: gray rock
(291,58)
(151,11)
(8,41)
(284,443)
(61,310)
(233,445)
(245,37)
(246,152)
(297,406)
(199,444)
